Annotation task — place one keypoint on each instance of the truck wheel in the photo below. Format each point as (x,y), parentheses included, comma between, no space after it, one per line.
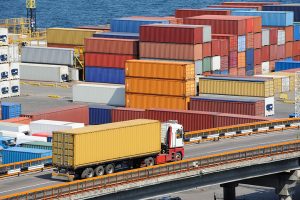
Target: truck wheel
(149,161)
(178,156)
(99,171)
(109,169)
(87,173)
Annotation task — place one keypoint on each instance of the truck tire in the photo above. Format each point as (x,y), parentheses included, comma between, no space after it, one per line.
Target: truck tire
(178,156)
(87,173)
(99,171)
(149,162)
(109,169)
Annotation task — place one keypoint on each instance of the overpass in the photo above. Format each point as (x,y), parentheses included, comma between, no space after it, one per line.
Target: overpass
(191,173)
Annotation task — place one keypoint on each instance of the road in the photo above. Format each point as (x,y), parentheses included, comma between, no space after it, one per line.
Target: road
(36,180)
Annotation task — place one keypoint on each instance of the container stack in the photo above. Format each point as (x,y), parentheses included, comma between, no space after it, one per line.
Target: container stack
(10,110)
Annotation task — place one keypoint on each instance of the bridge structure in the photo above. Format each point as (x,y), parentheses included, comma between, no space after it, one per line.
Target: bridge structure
(269,157)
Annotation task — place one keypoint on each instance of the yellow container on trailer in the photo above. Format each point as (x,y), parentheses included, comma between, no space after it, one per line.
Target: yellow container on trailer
(291,78)
(104,143)
(281,83)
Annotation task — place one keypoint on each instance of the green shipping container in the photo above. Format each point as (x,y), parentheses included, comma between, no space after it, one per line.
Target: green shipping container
(37,145)
(207,64)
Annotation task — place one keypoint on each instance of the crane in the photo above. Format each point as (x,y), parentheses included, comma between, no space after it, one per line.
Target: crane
(31,14)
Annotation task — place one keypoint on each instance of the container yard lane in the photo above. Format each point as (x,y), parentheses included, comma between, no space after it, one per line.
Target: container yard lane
(36,180)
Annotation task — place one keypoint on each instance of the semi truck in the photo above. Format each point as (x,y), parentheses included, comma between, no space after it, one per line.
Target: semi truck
(103,149)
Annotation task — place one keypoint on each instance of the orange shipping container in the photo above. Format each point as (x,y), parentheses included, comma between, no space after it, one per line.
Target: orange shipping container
(171,51)
(289,49)
(241,59)
(160,86)
(233,71)
(241,71)
(18,120)
(272,65)
(160,69)
(156,101)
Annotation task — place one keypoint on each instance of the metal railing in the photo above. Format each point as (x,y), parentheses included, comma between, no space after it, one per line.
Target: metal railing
(97,183)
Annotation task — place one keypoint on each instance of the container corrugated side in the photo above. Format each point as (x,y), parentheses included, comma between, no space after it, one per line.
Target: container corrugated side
(284,65)
(107,60)
(160,69)
(119,35)
(156,101)
(10,110)
(160,86)
(37,145)
(127,138)
(123,114)
(100,114)
(104,75)
(183,13)
(263,88)
(68,36)
(288,7)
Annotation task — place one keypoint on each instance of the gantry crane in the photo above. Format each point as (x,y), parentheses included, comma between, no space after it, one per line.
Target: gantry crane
(31,14)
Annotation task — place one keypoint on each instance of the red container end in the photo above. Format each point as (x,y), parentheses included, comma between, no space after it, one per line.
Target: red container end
(224,50)
(273,36)
(221,24)
(289,32)
(265,53)
(72,113)
(231,39)
(216,47)
(184,13)
(257,56)
(241,71)
(124,114)
(296,48)
(18,120)
(107,60)
(233,59)
(280,52)
(253,23)
(257,70)
(273,52)
(224,63)
(257,40)
(206,49)
(272,65)
(233,71)
(288,49)
(250,41)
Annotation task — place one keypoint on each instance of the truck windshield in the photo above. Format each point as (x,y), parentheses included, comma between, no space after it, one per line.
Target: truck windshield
(179,133)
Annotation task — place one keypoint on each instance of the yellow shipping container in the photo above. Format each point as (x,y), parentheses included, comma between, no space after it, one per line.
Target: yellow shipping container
(69,36)
(291,78)
(160,69)
(156,101)
(108,142)
(281,83)
(236,87)
(160,86)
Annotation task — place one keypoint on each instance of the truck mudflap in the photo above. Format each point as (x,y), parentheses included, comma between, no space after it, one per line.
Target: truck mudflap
(63,177)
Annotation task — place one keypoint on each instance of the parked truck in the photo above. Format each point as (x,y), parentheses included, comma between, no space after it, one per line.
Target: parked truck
(104,149)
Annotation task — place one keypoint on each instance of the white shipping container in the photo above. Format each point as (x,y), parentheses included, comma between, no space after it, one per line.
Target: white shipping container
(74,74)
(15,88)
(269,106)
(20,128)
(109,94)
(265,37)
(43,72)
(48,126)
(48,55)
(3,54)
(281,37)
(14,70)
(3,36)
(5,91)
(13,53)
(21,138)
(4,72)
(265,67)
(216,63)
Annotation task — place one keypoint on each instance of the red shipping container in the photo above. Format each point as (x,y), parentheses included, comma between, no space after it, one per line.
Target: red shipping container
(257,56)
(224,63)
(173,33)
(224,119)
(241,71)
(216,47)
(273,52)
(273,35)
(244,106)
(111,46)
(296,48)
(254,24)
(265,53)
(257,40)
(289,32)
(125,114)
(71,113)
(257,70)
(233,59)
(236,6)
(280,52)
(171,19)
(221,24)
(184,13)
(62,45)
(289,49)
(272,66)
(107,60)
(250,40)
(206,49)
(251,3)
(18,120)
(224,50)
(297,58)
(233,71)
(231,39)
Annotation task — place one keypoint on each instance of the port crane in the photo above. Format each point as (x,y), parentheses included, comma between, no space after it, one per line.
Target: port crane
(31,14)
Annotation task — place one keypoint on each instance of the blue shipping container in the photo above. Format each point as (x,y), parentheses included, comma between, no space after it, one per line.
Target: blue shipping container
(296,31)
(118,35)
(10,110)
(132,25)
(285,7)
(284,65)
(104,75)
(241,43)
(17,154)
(100,114)
(225,72)
(249,59)
(250,73)
(270,18)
